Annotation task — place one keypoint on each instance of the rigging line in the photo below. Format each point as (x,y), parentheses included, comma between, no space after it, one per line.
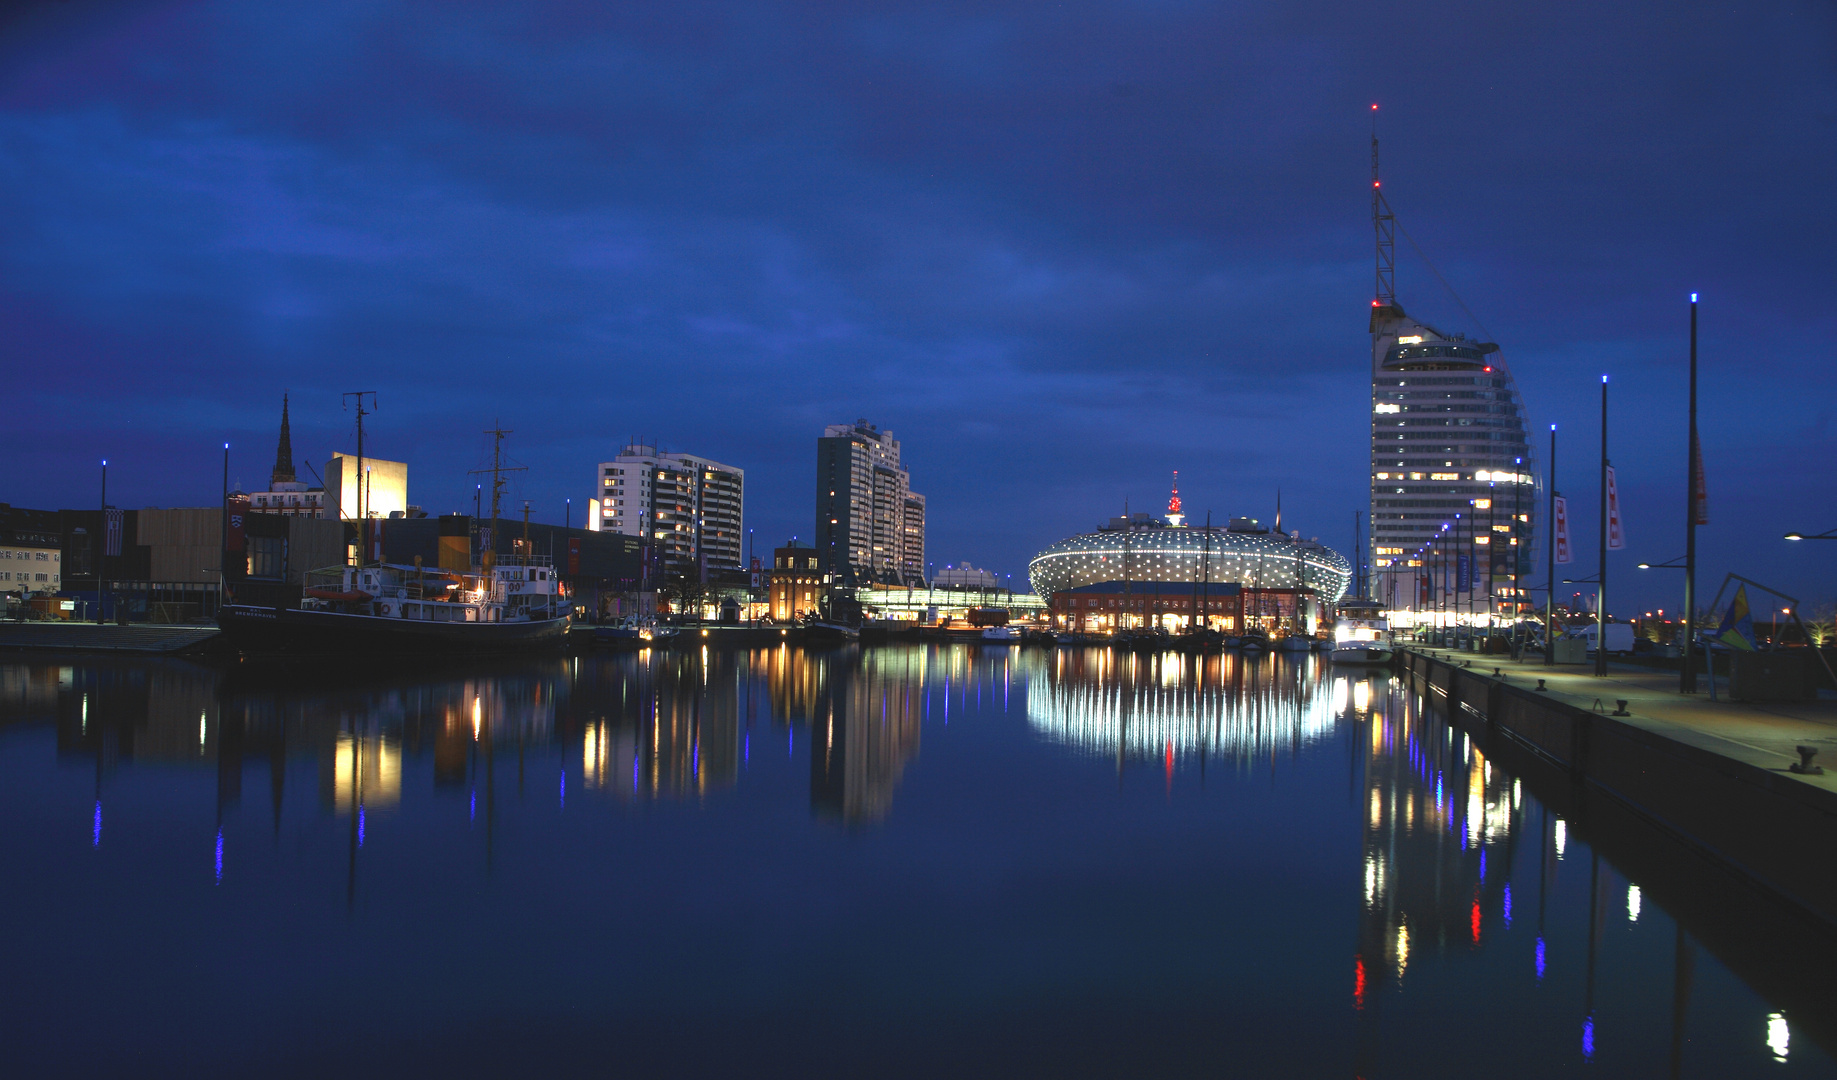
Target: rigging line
(1444,281)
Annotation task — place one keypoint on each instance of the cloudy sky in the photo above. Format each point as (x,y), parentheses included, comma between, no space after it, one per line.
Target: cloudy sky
(1060,249)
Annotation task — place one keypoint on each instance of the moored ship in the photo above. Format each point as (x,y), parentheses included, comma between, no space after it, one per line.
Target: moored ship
(387,609)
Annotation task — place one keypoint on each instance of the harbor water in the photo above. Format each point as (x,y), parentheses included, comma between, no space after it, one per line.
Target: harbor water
(903,860)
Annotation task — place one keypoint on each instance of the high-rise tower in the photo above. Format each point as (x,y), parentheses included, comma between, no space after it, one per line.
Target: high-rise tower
(870,524)
(1448,448)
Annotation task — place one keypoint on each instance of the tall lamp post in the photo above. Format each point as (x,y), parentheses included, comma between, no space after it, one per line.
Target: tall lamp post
(102,543)
(1601,579)
(223,538)
(1550,558)
(1687,676)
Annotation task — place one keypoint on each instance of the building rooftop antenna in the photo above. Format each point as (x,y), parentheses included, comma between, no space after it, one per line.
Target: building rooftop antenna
(1384,228)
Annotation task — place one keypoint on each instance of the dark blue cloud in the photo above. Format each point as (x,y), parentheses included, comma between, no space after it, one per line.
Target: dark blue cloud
(1060,250)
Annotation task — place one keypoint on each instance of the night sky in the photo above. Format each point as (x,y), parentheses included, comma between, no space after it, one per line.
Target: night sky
(1059,249)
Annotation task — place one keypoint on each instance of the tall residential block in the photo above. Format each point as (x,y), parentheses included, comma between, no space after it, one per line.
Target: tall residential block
(870,524)
(687,509)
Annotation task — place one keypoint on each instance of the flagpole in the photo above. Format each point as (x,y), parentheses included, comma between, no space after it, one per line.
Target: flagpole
(1550,559)
(1687,677)
(1601,585)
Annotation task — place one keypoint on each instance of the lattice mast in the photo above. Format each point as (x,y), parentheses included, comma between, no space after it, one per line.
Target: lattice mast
(1384,229)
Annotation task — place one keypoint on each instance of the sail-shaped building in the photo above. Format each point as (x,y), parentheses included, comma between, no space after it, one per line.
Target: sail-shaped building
(1453,490)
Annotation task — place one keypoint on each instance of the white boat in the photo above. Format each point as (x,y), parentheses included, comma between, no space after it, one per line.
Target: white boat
(1361,635)
(1001,635)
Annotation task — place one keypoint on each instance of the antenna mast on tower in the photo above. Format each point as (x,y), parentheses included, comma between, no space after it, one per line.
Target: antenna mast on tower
(1384,227)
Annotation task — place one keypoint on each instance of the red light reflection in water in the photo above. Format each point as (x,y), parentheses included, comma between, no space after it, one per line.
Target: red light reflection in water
(1358,982)
(1170,766)
(1476,916)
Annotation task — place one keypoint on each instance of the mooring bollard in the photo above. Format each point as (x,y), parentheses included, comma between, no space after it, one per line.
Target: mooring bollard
(1541,688)
(1620,707)
(1804,765)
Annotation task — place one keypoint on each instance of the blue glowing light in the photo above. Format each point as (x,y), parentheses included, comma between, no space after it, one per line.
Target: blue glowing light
(1588,1036)
(360,824)
(1508,904)
(219,855)
(472,815)
(95,829)
(564,789)
(1482,865)
(746,749)
(1693,298)
(1540,959)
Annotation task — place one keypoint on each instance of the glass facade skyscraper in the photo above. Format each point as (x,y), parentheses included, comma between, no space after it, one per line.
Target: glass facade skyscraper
(1453,491)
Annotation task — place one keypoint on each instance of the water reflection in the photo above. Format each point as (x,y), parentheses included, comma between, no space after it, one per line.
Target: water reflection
(1467,881)
(1170,707)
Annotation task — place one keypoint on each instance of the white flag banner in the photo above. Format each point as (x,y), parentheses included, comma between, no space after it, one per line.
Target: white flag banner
(1560,529)
(1616,536)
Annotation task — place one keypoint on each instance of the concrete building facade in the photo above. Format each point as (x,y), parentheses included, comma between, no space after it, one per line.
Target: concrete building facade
(870,524)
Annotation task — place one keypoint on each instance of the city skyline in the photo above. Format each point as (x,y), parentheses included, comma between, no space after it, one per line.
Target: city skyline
(1025,234)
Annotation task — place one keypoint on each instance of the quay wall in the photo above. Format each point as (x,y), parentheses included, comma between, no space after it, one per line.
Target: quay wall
(1776,831)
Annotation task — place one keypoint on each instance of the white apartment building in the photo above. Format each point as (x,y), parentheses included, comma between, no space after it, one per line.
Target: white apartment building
(687,508)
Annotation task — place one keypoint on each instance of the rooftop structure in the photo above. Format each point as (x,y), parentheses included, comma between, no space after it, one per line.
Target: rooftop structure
(1147,550)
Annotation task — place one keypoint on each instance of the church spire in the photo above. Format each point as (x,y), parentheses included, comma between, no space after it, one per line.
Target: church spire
(283,453)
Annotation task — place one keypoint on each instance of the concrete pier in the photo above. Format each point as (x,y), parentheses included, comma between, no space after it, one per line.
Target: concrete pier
(1715,775)
(50,636)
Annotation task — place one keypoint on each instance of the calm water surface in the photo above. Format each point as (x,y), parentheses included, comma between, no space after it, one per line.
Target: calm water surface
(891,861)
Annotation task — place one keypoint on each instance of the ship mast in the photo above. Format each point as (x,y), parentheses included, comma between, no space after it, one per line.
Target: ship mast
(488,557)
(363,539)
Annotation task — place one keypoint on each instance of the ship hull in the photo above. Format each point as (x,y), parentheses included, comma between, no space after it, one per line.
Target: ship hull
(268,630)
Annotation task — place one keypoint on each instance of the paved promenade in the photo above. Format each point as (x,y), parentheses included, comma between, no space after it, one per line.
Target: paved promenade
(1762,735)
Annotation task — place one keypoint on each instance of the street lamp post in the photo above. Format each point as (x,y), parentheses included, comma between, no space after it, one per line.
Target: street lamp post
(1550,559)
(1687,677)
(1601,584)
(1684,565)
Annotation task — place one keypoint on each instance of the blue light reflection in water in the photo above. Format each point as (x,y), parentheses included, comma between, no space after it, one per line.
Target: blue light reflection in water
(1027,880)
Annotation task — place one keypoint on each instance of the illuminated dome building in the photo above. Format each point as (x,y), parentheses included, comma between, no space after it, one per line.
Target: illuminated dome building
(1142,570)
